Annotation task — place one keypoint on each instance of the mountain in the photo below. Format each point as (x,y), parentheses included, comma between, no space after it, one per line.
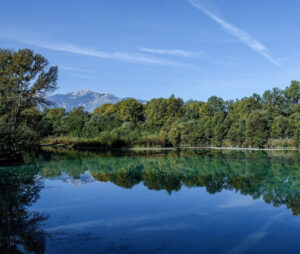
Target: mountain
(81,180)
(88,99)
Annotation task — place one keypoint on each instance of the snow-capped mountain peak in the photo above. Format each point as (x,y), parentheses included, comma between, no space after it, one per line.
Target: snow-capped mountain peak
(82,92)
(86,98)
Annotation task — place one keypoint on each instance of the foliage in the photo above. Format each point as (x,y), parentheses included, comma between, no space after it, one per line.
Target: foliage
(25,79)
(272,120)
(257,128)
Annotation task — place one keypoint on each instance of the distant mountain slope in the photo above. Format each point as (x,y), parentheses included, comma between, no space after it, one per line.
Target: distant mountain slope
(85,98)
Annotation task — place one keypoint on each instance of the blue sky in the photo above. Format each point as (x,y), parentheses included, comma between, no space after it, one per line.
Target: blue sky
(155,48)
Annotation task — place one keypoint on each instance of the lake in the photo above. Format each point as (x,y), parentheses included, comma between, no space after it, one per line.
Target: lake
(177,201)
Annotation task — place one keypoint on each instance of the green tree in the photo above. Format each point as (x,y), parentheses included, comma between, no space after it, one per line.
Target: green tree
(294,128)
(242,108)
(258,128)
(292,93)
(236,133)
(274,101)
(192,109)
(131,110)
(105,109)
(25,79)
(220,128)
(90,129)
(75,123)
(174,134)
(106,122)
(279,127)
(54,117)
(174,107)
(158,111)
(250,121)
(217,104)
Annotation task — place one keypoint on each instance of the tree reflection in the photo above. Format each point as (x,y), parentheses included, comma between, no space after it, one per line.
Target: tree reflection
(19,227)
(274,176)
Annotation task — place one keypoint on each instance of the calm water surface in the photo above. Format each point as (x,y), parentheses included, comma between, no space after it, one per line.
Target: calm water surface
(189,201)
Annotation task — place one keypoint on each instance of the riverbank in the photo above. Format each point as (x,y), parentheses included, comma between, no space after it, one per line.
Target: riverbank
(248,149)
(95,144)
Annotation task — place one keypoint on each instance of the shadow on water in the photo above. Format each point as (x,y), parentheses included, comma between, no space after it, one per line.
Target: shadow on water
(19,227)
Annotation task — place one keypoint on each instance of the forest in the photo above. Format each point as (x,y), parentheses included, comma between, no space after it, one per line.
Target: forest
(270,120)
(28,119)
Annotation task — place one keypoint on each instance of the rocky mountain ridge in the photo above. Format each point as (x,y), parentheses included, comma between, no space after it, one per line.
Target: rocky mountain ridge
(89,100)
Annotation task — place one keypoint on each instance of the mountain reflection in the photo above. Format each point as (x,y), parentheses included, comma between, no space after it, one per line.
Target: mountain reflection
(19,227)
(274,176)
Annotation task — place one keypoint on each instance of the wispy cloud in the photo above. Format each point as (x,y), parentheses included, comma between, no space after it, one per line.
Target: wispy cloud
(284,59)
(132,220)
(238,33)
(82,76)
(252,239)
(239,202)
(68,68)
(117,56)
(173,52)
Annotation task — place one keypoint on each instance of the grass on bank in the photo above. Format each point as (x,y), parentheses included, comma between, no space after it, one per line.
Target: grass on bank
(99,142)
(73,142)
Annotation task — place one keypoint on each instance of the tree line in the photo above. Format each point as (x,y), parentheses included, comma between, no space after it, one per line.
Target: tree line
(270,120)
(27,117)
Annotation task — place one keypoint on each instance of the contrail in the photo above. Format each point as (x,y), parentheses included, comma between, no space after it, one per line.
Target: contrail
(238,33)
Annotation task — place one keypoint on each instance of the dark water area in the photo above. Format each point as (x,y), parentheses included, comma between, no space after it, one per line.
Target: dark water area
(183,201)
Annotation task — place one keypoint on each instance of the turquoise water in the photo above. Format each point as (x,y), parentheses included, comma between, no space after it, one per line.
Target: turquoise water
(187,201)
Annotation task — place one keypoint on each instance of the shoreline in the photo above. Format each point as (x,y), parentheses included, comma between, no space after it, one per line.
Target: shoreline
(246,148)
(172,148)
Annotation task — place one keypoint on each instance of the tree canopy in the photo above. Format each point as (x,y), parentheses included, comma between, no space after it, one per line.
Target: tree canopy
(25,80)
(270,120)
(27,117)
